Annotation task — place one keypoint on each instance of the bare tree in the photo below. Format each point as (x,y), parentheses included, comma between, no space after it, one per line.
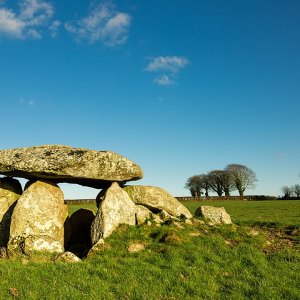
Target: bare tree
(296,190)
(287,191)
(205,182)
(216,181)
(228,183)
(220,181)
(194,185)
(242,176)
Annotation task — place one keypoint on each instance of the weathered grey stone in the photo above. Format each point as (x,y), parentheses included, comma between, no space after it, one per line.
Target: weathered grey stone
(37,223)
(135,247)
(156,219)
(80,225)
(188,222)
(100,246)
(142,214)
(10,192)
(59,163)
(68,257)
(215,215)
(165,216)
(115,209)
(157,198)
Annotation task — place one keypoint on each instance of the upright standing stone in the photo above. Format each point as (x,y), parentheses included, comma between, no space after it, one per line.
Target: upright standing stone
(156,198)
(38,220)
(116,208)
(10,192)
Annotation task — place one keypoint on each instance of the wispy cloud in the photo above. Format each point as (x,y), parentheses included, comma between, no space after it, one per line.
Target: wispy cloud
(28,102)
(104,24)
(281,155)
(53,28)
(28,21)
(163,80)
(169,66)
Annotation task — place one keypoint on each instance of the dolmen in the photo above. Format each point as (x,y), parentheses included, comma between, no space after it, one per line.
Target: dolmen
(36,220)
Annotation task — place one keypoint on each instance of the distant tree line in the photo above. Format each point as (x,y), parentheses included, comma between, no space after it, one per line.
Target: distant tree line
(233,177)
(291,191)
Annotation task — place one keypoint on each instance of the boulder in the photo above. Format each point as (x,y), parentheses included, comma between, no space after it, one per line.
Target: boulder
(37,223)
(116,208)
(80,226)
(136,247)
(215,215)
(100,246)
(156,198)
(59,163)
(142,214)
(68,257)
(10,192)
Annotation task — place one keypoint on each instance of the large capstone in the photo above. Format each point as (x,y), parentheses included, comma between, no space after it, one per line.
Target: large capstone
(10,192)
(59,163)
(155,198)
(37,222)
(116,208)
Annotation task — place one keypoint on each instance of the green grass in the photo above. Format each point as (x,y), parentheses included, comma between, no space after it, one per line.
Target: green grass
(280,212)
(277,212)
(248,261)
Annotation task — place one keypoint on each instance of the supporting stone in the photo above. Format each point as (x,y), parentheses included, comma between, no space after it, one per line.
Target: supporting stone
(37,223)
(116,208)
(10,192)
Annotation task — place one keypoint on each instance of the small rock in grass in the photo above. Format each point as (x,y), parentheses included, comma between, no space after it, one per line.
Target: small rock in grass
(68,257)
(135,247)
(157,219)
(178,225)
(194,234)
(197,221)
(100,246)
(171,238)
(254,232)
(188,222)
(14,292)
(142,213)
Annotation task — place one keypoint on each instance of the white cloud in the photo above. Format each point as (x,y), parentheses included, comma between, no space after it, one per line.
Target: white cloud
(104,24)
(53,28)
(9,24)
(171,64)
(163,80)
(28,102)
(27,23)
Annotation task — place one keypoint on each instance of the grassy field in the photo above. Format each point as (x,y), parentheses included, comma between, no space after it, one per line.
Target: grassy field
(269,213)
(259,258)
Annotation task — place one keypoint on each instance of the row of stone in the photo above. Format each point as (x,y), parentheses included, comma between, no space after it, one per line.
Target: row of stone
(37,219)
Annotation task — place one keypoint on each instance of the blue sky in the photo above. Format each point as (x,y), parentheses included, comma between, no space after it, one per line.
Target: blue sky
(180,87)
